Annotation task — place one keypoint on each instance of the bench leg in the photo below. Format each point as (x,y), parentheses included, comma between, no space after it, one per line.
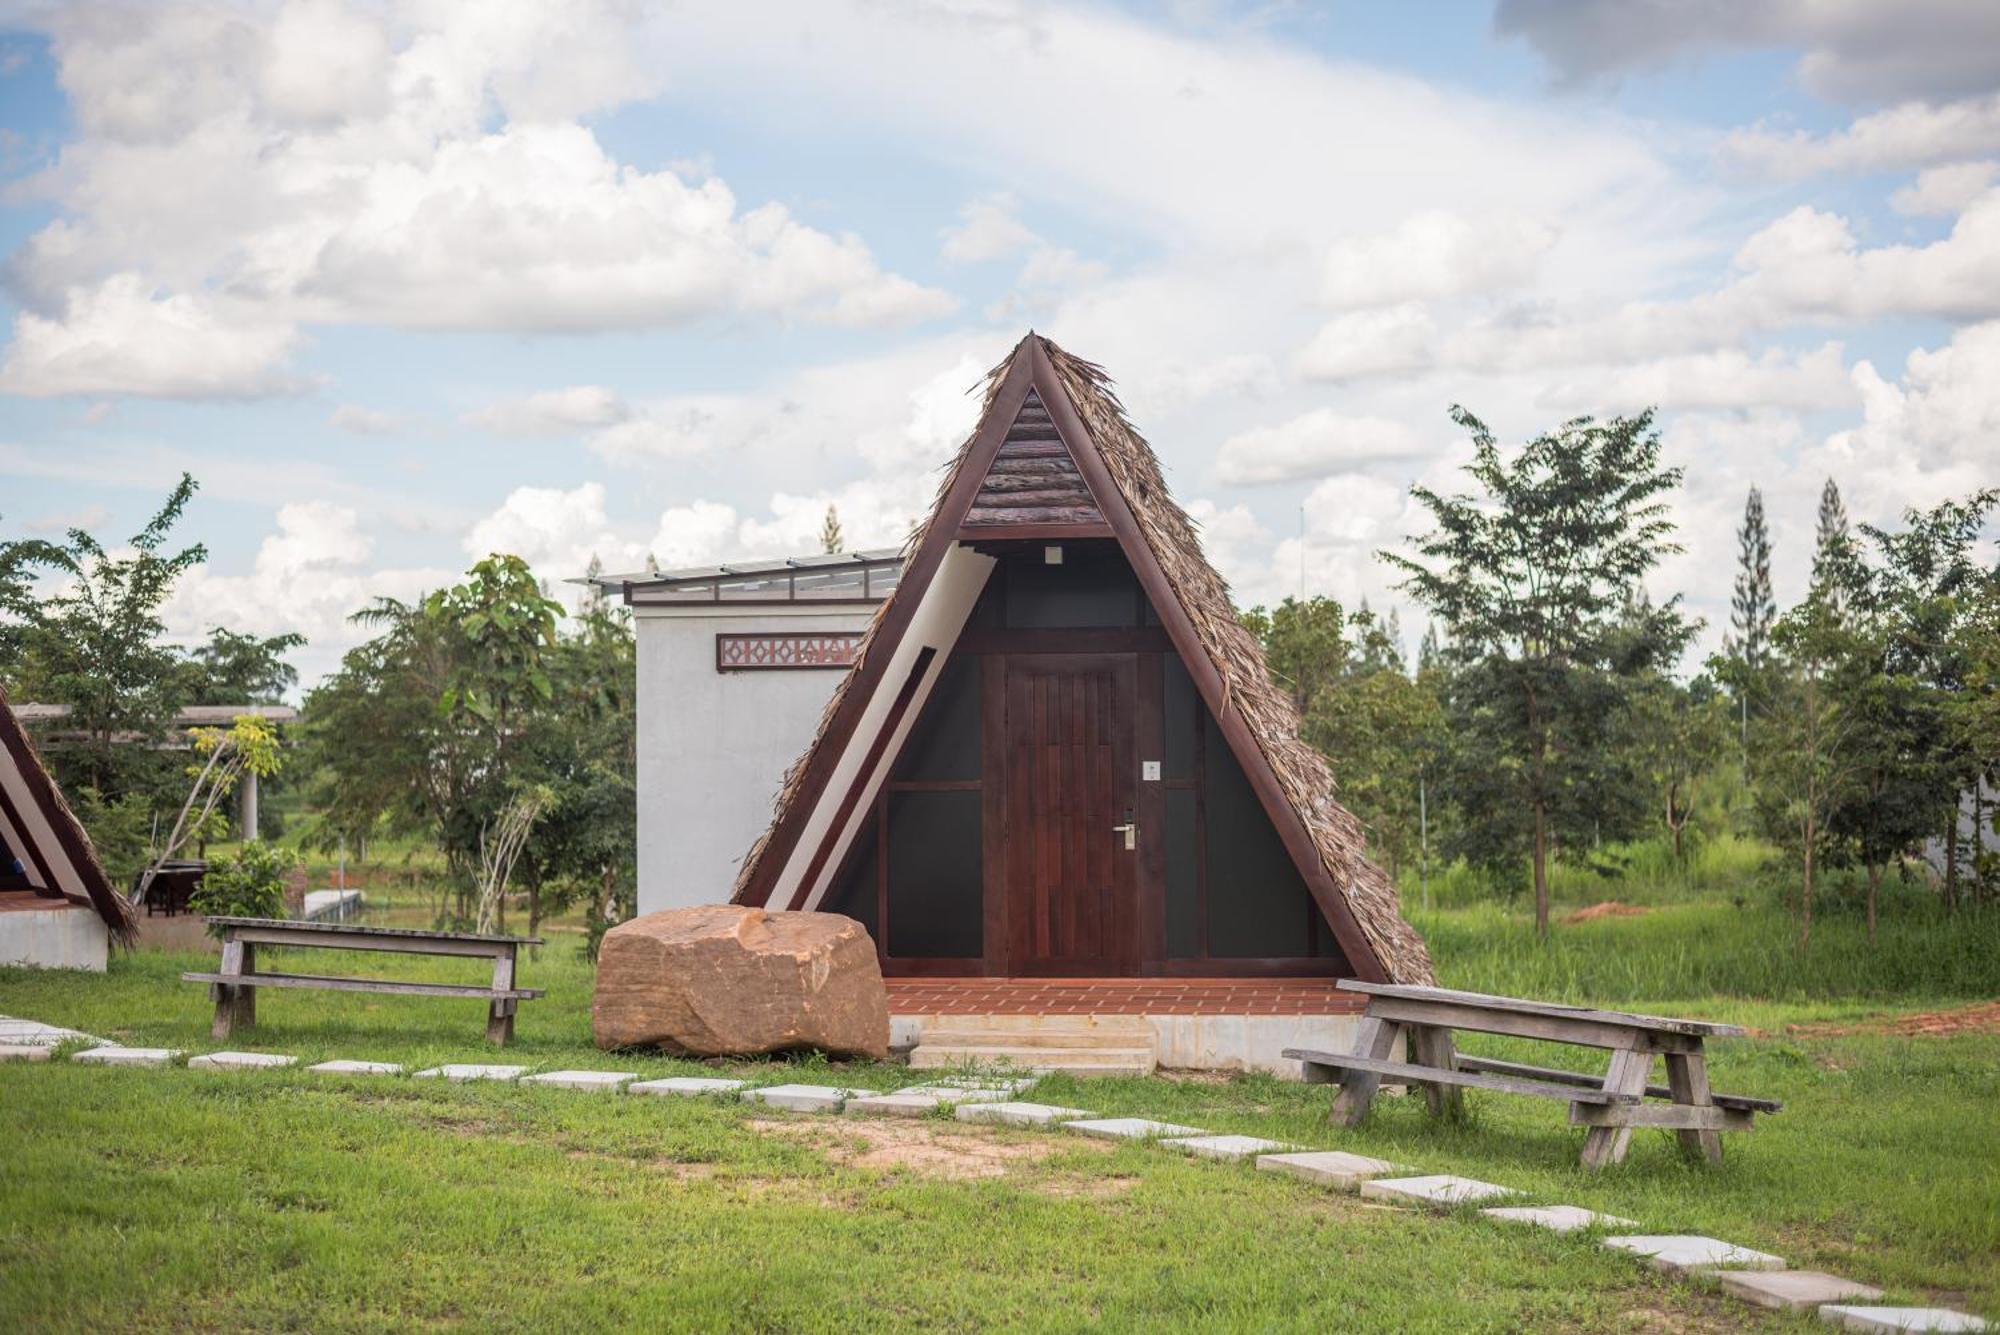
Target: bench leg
(1377,1038)
(1687,1077)
(1432,1046)
(1605,1145)
(225,994)
(500,1011)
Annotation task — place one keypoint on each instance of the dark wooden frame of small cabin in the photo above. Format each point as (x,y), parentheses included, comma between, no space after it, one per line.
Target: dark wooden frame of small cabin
(1171,634)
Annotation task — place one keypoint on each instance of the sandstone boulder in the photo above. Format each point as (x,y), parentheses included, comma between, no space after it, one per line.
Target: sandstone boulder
(722,980)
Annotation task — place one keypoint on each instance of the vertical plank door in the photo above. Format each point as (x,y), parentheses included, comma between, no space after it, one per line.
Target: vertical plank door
(1070,781)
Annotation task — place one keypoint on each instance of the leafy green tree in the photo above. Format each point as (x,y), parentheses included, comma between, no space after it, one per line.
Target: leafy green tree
(1833,565)
(1305,646)
(237,669)
(1533,578)
(1681,732)
(831,540)
(96,642)
(1752,609)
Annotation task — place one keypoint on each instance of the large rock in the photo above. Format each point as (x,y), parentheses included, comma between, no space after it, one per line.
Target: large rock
(727,981)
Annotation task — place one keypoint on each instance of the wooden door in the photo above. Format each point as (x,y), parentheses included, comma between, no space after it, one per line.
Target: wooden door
(1070,783)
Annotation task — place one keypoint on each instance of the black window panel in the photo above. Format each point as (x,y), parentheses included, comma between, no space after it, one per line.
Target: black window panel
(935,902)
(1183,896)
(944,744)
(856,893)
(1257,901)
(1324,944)
(1183,716)
(1091,587)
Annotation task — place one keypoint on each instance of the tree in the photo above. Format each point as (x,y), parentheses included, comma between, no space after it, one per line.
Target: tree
(1533,578)
(1810,765)
(1305,645)
(1681,732)
(831,540)
(1751,607)
(1833,548)
(95,643)
(238,669)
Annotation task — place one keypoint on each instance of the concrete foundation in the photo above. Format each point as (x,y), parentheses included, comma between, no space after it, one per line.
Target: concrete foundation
(1184,1042)
(61,936)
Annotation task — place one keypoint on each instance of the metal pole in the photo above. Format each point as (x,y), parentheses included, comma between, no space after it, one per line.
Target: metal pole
(1424,839)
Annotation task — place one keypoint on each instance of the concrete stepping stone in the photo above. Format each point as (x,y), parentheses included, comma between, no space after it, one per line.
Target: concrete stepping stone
(1131,1128)
(1788,1290)
(1679,1253)
(1558,1218)
(1890,1320)
(239,1061)
(18,1033)
(687,1086)
(805,1098)
(113,1055)
(903,1103)
(23,1052)
(459,1073)
(1438,1190)
(358,1068)
(1329,1168)
(1229,1149)
(1042,1115)
(955,1093)
(605,1082)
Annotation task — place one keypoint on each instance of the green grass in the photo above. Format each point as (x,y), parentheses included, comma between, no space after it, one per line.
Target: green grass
(280,1199)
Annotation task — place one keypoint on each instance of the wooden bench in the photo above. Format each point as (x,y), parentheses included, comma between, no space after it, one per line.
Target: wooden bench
(234,987)
(1610,1105)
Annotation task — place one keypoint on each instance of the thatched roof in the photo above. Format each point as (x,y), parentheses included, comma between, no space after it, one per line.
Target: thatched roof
(57,849)
(1365,895)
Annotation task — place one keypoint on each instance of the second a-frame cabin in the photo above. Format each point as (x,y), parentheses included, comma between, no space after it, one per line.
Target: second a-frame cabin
(1057,753)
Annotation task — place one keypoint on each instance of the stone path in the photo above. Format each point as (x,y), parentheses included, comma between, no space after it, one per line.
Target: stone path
(1754,1277)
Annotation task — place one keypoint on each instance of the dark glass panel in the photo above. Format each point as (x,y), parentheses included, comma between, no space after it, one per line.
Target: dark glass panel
(1183,716)
(944,744)
(1256,898)
(935,904)
(1091,587)
(855,893)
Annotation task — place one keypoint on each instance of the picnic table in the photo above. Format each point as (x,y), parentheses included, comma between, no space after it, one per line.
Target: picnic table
(1610,1106)
(234,987)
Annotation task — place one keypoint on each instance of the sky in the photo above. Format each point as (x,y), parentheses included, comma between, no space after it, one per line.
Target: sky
(405,283)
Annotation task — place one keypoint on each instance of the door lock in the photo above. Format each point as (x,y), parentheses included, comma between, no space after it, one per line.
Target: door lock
(1129,830)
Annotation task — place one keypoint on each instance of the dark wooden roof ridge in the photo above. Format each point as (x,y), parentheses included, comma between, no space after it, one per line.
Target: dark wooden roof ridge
(1293,781)
(112,907)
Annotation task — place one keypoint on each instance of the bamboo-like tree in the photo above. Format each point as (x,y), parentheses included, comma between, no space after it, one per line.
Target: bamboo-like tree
(831,540)
(1536,578)
(1752,609)
(1833,549)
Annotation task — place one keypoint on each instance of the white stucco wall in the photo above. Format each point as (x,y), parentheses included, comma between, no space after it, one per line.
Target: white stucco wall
(65,937)
(714,746)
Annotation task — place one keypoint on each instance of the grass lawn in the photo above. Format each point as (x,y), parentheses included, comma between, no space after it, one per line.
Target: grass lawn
(282,1199)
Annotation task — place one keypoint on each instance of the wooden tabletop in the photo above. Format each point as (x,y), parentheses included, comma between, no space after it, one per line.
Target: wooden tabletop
(1548,1010)
(347,929)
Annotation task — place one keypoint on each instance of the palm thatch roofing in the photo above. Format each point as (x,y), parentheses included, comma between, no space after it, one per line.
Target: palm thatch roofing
(47,836)
(1225,659)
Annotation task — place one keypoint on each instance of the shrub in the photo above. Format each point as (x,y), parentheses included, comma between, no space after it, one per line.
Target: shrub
(249,885)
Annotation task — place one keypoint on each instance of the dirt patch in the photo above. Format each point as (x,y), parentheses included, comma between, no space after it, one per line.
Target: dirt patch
(939,1151)
(1076,1187)
(1610,908)
(1983,1018)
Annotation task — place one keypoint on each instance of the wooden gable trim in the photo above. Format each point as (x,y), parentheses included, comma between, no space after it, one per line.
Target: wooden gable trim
(939,536)
(1298,840)
(69,835)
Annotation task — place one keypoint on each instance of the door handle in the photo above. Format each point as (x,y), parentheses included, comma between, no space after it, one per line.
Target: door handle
(1131,833)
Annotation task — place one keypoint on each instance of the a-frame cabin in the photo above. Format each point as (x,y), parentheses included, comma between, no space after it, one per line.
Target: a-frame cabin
(1058,754)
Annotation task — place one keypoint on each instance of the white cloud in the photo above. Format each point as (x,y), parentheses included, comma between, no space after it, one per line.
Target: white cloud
(988,229)
(1943,419)
(309,576)
(1913,134)
(321,167)
(1369,343)
(360,421)
(1813,381)
(123,337)
(1231,539)
(1941,192)
(1854,50)
(696,534)
(553,412)
(1313,445)
(553,530)
(1435,253)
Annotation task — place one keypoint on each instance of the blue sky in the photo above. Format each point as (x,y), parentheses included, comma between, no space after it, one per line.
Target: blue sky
(400,283)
